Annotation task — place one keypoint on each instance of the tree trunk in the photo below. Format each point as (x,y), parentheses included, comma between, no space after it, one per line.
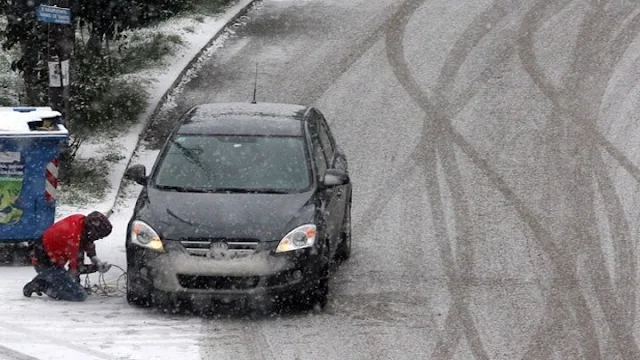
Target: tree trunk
(30,77)
(94,45)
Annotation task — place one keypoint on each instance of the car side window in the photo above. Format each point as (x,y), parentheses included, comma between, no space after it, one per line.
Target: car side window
(321,161)
(325,139)
(318,153)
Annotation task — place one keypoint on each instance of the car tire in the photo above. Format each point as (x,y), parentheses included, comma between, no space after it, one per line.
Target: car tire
(344,249)
(315,299)
(320,297)
(134,297)
(164,301)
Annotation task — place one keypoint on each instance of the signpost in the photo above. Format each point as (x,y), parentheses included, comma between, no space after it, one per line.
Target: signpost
(60,44)
(53,15)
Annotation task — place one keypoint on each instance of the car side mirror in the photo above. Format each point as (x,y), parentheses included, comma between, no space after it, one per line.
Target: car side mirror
(137,173)
(335,177)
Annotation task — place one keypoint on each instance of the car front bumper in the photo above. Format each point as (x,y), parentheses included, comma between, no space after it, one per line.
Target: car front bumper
(260,275)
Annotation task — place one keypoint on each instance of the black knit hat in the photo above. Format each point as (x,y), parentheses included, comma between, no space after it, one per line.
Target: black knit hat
(97,226)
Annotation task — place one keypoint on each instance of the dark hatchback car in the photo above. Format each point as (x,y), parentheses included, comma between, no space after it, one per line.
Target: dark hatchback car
(244,202)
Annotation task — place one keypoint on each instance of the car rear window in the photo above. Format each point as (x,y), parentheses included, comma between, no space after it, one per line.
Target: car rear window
(222,162)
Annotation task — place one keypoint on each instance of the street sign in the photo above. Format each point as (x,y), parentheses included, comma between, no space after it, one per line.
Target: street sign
(53,14)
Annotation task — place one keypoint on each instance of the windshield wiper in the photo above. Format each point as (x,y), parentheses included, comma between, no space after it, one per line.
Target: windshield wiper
(181,188)
(194,157)
(172,214)
(222,190)
(249,191)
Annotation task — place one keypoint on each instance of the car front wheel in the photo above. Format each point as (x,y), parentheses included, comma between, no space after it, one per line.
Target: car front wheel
(320,296)
(316,296)
(135,296)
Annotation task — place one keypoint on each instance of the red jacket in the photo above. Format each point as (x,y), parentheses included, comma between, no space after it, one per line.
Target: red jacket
(62,241)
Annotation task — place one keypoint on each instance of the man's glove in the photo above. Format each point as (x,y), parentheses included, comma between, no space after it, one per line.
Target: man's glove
(103,266)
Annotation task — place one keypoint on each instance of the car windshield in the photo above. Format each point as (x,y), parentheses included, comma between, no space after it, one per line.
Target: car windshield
(220,163)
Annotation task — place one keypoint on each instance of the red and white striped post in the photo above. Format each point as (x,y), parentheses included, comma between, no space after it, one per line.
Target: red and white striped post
(51,186)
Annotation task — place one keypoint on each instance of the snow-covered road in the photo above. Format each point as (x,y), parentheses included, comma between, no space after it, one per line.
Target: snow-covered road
(493,147)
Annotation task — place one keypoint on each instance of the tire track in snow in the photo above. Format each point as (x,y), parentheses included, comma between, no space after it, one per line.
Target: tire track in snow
(479,29)
(584,195)
(451,68)
(620,44)
(471,37)
(591,165)
(558,317)
(557,137)
(624,251)
(562,260)
(433,144)
(626,263)
(459,313)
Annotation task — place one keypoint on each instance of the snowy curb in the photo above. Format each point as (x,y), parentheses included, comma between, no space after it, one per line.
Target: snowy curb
(231,15)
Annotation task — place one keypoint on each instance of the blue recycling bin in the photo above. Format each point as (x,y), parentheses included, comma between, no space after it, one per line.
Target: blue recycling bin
(30,144)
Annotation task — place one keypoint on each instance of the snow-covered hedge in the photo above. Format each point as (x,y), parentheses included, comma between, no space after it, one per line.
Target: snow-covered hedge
(10,83)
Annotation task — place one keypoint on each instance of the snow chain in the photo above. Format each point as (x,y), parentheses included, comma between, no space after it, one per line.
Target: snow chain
(113,289)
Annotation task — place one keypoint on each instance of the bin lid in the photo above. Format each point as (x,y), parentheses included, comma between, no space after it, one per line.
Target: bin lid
(24,109)
(14,122)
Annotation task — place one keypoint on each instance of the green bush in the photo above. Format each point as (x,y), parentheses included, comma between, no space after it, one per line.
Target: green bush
(9,82)
(140,51)
(83,180)
(105,104)
(101,101)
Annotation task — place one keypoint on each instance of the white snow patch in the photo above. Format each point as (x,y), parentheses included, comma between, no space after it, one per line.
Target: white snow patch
(16,122)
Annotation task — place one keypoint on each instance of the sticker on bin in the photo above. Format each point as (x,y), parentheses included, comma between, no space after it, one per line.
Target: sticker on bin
(11,180)
(51,187)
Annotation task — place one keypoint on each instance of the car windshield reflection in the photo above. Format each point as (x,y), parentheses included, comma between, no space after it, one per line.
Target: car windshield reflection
(234,164)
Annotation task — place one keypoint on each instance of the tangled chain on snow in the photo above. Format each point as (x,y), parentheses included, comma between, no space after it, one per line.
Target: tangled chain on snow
(112,289)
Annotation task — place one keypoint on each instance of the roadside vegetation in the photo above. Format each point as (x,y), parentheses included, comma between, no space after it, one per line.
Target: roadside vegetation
(114,43)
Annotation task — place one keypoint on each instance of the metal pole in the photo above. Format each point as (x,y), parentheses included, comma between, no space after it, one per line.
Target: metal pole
(60,45)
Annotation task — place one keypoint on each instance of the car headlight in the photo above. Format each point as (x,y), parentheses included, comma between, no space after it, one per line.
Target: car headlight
(299,238)
(143,235)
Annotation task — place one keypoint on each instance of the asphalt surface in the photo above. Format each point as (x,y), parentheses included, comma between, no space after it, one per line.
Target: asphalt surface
(493,148)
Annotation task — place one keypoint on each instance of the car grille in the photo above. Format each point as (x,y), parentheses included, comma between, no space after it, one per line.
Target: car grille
(237,247)
(218,282)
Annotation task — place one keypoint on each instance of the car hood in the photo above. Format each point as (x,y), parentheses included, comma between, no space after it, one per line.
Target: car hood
(265,217)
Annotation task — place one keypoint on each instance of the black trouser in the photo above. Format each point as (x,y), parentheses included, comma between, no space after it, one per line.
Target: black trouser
(58,283)
(53,280)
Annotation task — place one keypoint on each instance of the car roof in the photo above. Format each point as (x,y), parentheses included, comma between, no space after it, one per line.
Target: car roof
(244,119)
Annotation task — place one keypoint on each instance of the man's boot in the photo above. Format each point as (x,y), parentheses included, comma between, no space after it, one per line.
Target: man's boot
(33,286)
